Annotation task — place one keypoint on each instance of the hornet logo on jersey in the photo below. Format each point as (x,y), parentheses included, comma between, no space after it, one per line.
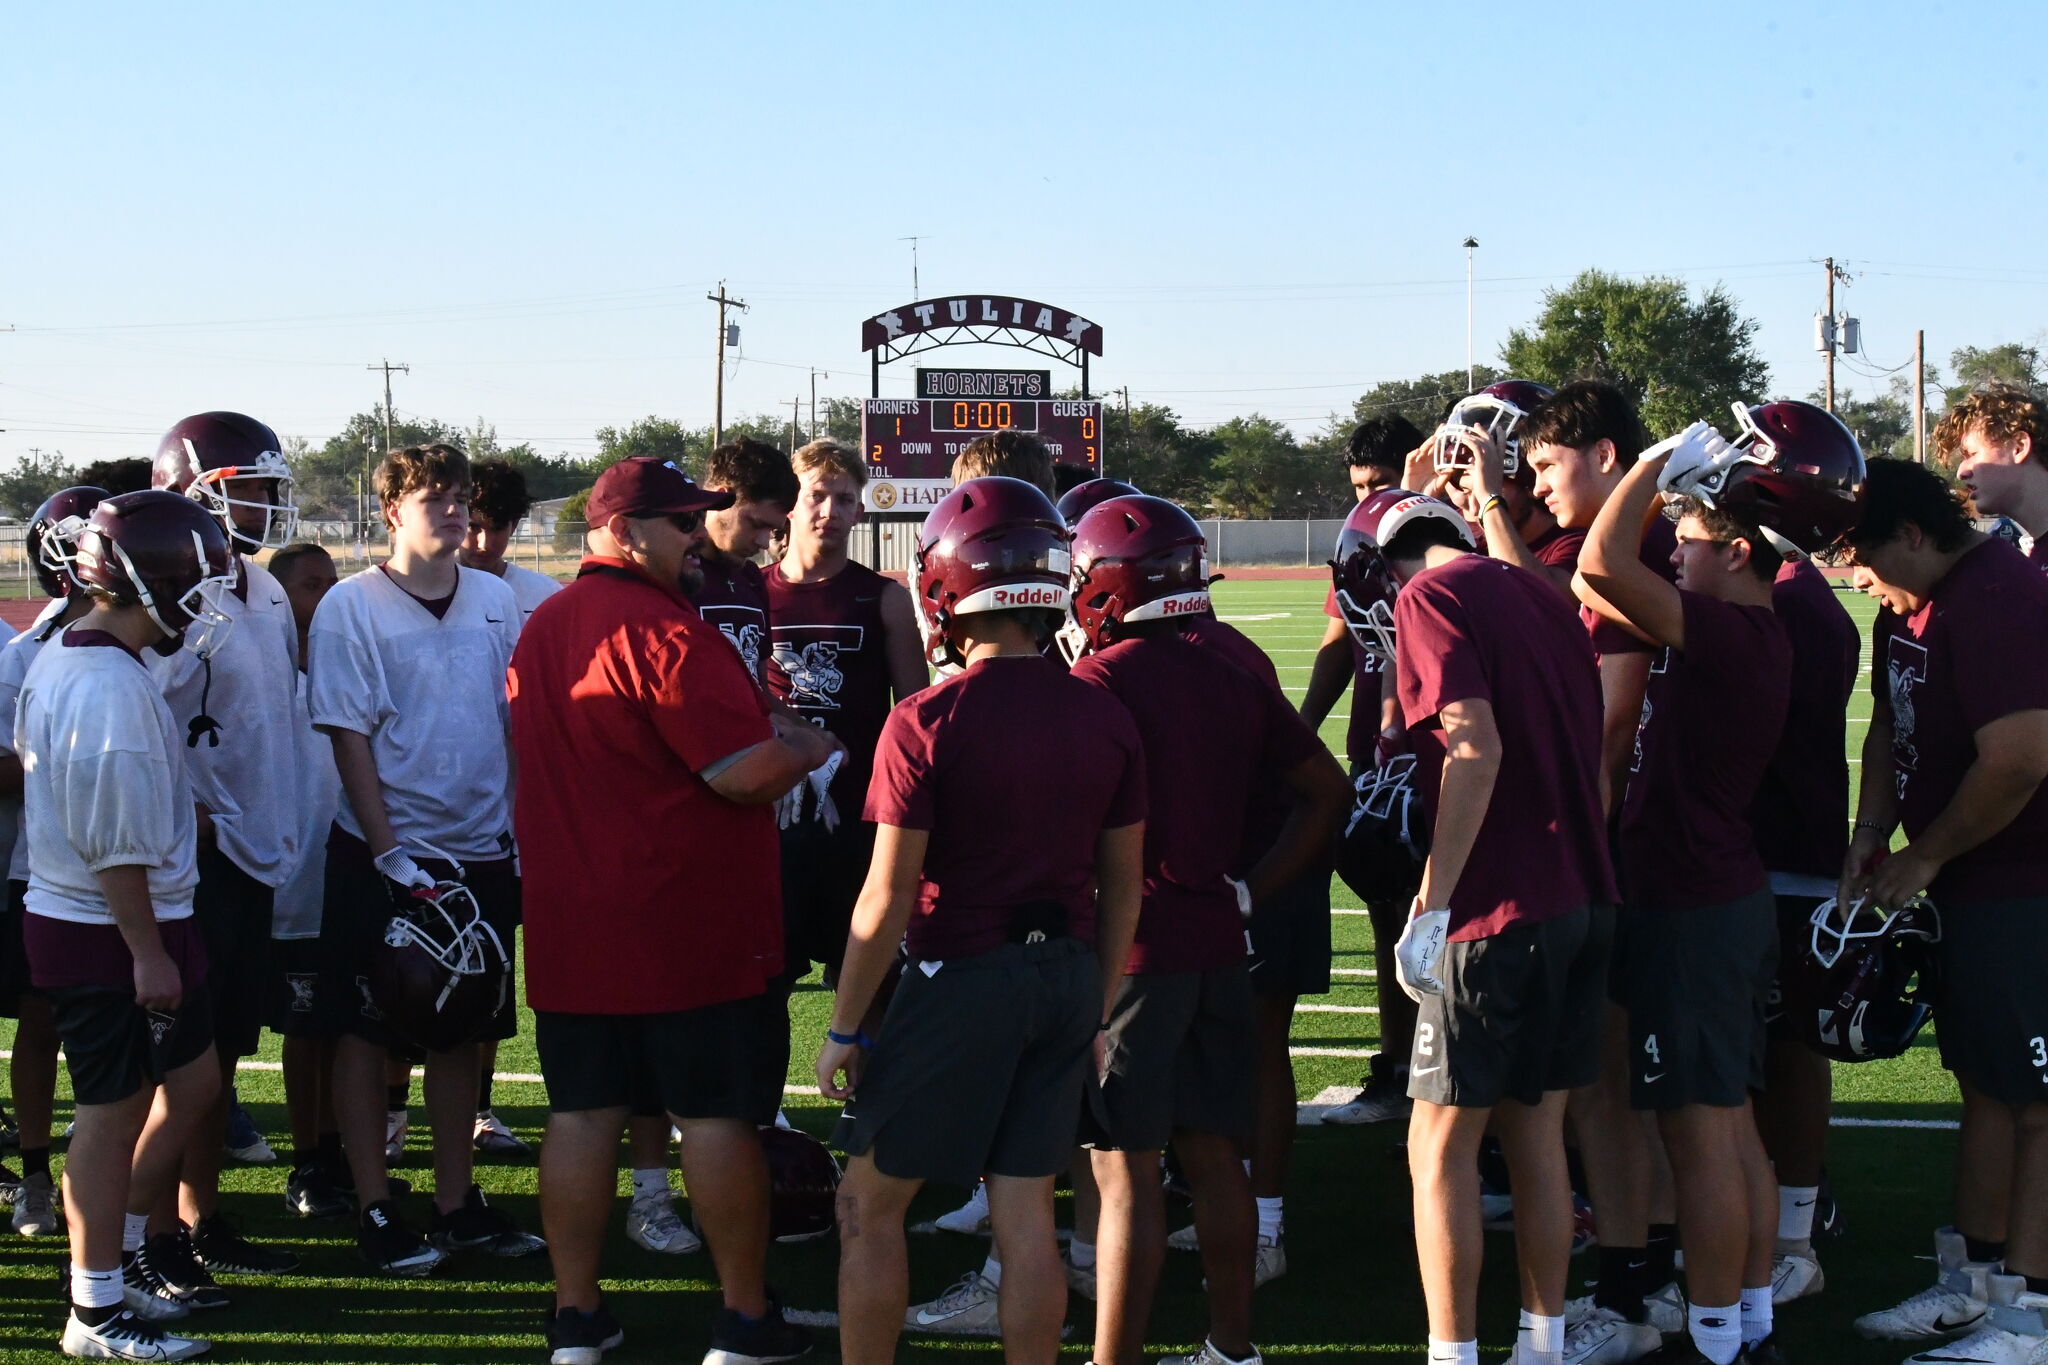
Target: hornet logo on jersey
(747,640)
(1905,665)
(813,672)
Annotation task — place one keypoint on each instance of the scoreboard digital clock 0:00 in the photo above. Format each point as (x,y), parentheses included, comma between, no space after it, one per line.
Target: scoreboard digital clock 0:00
(910,443)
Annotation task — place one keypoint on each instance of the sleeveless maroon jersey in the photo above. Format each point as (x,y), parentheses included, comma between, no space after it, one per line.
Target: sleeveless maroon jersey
(735,599)
(829,663)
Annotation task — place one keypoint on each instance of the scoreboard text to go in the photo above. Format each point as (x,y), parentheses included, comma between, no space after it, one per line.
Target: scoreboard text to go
(919,438)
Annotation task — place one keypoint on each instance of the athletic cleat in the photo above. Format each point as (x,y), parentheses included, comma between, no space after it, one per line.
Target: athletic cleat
(388,1244)
(970,1218)
(1665,1309)
(245,1140)
(475,1226)
(2014,1330)
(578,1338)
(493,1138)
(1956,1302)
(652,1222)
(226,1251)
(145,1294)
(1272,1261)
(968,1309)
(1080,1278)
(1681,1350)
(1765,1352)
(1375,1104)
(38,1212)
(10,1184)
(1795,1273)
(1209,1355)
(761,1341)
(311,1191)
(1183,1239)
(125,1336)
(169,1261)
(1604,1337)
(394,1136)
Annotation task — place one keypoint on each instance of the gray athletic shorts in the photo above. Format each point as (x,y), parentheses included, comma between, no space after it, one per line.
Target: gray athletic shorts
(1990,1011)
(1179,1057)
(1519,1016)
(981,1066)
(1695,984)
(1291,937)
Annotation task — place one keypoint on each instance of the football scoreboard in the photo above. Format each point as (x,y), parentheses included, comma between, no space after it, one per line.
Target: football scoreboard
(910,443)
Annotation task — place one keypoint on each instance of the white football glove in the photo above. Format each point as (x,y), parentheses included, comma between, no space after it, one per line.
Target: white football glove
(396,864)
(820,780)
(1244,897)
(1415,956)
(1699,463)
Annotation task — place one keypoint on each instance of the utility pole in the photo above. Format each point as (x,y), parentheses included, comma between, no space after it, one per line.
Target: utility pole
(1829,266)
(1920,397)
(916,291)
(1471,245)
(794,404)
(388,367)
(814,401)
(724,301)
(1125,393)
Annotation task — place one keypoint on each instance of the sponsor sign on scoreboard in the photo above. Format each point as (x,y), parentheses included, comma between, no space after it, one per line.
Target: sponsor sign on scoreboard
(910,443)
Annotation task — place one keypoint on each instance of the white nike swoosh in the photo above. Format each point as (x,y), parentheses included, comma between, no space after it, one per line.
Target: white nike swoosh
(925,1319)
(1652,1080)
(1425,1070)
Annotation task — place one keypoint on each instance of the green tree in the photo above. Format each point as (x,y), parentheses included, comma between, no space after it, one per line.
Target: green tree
(1260,471)
(664,438)
(1679,358)
(1153,451)
(2010,363)
(1423,401)
(34,477)
(569,526)
(129,475)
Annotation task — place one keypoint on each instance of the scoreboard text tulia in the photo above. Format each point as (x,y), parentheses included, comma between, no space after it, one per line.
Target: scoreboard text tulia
(910,443)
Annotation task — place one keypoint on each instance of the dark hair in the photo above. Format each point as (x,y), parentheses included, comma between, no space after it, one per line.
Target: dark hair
(1416,538)
(407,471)
(497,493)
(1014,454)
(282,560)
(1723,525)
(1382,442)
(752,471)
(1069,476)
(1582,412)
(1899,491)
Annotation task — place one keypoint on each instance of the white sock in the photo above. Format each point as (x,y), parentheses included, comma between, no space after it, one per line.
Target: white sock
(992,1270)
(134,1227)
(1453,1352)
(1080,1254)
(1716,1331)
(1795,1212)
(1247,1164)
(1545,1339)
(95,1288)
(1270,1211)
(650,1182)
(1756,1315)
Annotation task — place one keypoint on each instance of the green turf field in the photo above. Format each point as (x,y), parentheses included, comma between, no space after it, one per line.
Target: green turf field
(1351,1291)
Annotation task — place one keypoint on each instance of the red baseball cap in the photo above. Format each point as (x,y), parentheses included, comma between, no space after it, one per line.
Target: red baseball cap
(646,487)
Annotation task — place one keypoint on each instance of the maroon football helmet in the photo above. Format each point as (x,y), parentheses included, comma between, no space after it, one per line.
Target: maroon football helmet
(1386,840)
(1365,582)
(1137,558)
(1496,409)
(199,456)
(1800,476)
(991,544)
(440,973)
(1076,501)
(1862,990)
(166,553)
(52,537)
(803,1181)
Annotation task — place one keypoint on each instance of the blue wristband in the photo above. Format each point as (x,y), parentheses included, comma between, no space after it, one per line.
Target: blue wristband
(860,1040)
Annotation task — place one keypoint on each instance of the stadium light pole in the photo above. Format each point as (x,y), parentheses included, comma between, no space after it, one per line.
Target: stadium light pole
(1471,245)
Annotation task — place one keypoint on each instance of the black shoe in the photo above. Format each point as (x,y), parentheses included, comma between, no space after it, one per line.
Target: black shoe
(1827,1214)
(168,1266)
(579,1338)
(312,1192)
(475,1225)
(228,1252)
(388,1244)
(768,1338)
(1765,1352)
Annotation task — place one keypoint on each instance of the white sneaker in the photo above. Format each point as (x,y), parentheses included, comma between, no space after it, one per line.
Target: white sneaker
(1183,1239)
(1604,1337)
(970,1218)
(652,1222)
(38,1212)
(394,1136)
(1956,1302)
(1374,1105)
(1665,1309)
(1272,1262)
(493,1137)
(126,1337)
(967,1309)
(1209,1355)
(2014,1330)
(1795,1273)
(1080,1278)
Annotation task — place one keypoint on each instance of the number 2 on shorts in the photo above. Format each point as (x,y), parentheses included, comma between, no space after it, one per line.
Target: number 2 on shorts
(1425,1040)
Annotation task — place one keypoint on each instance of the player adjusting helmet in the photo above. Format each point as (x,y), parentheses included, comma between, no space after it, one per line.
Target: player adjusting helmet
(1380,856)
(1865,982)
(803,1181)
(166,553)
(992,544)
(440,972)
(1076,502)
(1798,475)
(1137,558)
(52,537)
(200,455)
(1497,410)
(1363,579)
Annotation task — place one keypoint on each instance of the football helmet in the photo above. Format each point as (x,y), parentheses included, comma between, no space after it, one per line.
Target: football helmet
(1075,502)
(166,553)
(52,536)
(440,972)
(1380,856)
(992,544)
(202,454)
(803,1181)
(1496,410)
(1797,473)
(1364,581)
(1137,559)
(1864,987)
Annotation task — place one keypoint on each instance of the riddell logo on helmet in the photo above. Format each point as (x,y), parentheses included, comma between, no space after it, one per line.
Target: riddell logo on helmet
(1029,595)
(1184,606)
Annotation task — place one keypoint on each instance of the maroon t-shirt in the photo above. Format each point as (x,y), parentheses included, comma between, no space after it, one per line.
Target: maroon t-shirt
(1712,718)
(735,599)
(1481,629)
(1660,540)
(2038,553)
(1212,734)
(1558,548)
(1801,812)
(1361,736)
(830,664)
(1977,651)
(1272,799)
(1014,768)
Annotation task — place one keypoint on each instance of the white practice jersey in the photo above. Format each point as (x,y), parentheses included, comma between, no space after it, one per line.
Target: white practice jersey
(530,588)
(103,767)
(295,912)
(430,695)
(250,779)
(15,657)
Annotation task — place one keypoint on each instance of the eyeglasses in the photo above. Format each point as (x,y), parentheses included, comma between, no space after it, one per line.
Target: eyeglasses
(689,523)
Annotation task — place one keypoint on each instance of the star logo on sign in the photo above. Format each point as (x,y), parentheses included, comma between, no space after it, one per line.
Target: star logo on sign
(892,323)
(1076,326)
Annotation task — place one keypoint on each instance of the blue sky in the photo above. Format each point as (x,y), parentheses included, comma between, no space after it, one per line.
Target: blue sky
(226,206)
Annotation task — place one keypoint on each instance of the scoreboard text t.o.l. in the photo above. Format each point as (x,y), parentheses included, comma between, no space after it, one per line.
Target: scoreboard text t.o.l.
(910,443)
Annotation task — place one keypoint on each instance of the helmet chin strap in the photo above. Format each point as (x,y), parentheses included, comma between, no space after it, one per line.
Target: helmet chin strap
(204,724)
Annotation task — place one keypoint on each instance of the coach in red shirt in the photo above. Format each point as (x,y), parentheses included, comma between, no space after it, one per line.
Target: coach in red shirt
(647,756)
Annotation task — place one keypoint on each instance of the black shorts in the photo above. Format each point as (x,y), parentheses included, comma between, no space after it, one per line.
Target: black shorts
(356,909)
(1991,1015)
(1519,1016)
(1180,1057)
(14,976)
(1694,983)
(982,1066)
(1291,938)
(1788,1007)
(822,872)
(113,1047)
(292,1000)
(232,910)
(716,1062)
